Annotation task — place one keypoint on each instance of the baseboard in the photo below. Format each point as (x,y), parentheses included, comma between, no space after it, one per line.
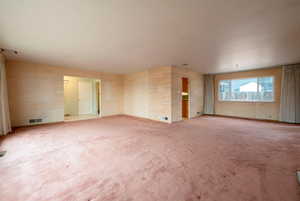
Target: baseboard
(40,124)
(148,119)
(252,119)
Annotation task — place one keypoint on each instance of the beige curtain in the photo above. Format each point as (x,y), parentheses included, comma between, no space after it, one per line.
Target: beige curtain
(290,94)
(5,126)
(209,94)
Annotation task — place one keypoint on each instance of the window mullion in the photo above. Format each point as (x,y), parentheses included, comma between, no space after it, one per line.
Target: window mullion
(257,88)
(230,95)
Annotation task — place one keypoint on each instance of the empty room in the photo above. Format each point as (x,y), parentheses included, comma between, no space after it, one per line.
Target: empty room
(150,100)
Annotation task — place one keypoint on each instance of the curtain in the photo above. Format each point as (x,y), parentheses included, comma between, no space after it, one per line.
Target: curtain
(209,94)
(5,126)
(290,94)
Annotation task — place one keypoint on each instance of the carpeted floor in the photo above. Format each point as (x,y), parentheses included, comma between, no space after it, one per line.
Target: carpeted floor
(128,159)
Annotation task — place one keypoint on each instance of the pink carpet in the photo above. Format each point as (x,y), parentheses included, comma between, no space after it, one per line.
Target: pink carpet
(128,159)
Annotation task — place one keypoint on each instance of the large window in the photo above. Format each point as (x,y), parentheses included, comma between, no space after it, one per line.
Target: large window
(258,89)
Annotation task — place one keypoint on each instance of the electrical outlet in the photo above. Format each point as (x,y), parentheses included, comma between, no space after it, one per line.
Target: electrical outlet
(164,118)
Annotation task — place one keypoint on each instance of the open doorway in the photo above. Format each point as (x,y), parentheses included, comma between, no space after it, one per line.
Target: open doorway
(81,98)
(185,98)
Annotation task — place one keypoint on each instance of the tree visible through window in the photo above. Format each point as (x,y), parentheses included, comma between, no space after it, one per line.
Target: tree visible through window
(250,89)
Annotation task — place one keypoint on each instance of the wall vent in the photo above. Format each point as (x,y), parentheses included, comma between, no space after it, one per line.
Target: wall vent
(32,121)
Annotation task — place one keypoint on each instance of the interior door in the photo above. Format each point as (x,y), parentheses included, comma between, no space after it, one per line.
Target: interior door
(85,96)
(185,97)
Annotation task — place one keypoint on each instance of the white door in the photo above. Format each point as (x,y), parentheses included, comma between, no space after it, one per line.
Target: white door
(85,95)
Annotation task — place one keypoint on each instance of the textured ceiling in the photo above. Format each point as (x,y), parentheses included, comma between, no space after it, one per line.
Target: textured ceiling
(131,35)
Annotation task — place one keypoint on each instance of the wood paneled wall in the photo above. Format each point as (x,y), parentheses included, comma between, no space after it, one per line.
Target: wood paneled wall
(37,91)
(156,93)
(196,87)
(160,83)
(147,94)
(136,98)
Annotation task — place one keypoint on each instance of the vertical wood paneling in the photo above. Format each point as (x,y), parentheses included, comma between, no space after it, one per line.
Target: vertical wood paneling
(195,93)
(37,91)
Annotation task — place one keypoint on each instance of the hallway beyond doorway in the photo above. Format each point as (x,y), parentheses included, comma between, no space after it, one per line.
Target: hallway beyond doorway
(81,98)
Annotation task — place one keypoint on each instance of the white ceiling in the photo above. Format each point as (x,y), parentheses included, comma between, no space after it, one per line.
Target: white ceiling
(131,35)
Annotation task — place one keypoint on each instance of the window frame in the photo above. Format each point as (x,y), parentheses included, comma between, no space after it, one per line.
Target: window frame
(247,101)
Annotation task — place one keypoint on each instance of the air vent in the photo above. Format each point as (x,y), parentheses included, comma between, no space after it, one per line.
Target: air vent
(32,121)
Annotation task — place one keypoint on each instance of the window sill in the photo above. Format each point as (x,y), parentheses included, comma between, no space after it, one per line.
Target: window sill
(239,101)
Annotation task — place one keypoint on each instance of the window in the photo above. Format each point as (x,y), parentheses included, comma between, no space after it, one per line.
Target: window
(259,89)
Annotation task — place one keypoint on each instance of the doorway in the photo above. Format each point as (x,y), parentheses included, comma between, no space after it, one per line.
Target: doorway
(185,98)
(81,98)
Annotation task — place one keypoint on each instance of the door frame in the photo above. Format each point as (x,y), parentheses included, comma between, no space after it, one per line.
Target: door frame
(189,94)
(100,91)
(99,97)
